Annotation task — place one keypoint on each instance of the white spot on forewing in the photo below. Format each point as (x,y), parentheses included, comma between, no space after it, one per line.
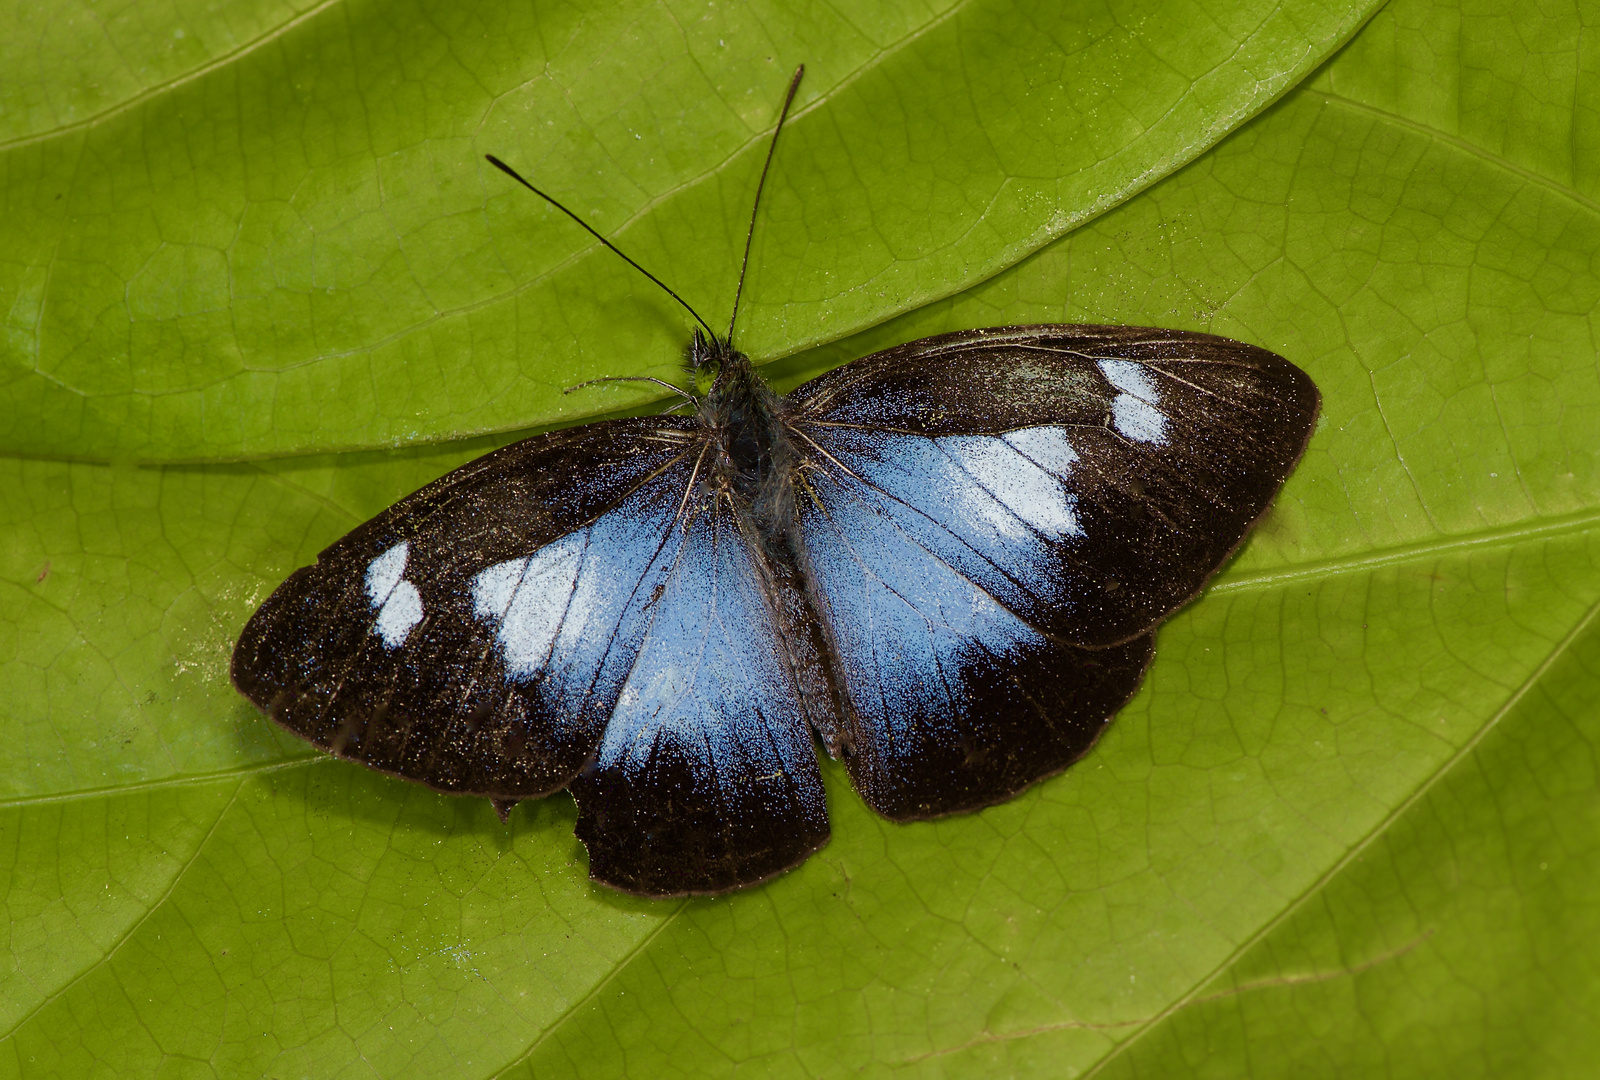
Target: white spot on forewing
(397,602)
(493,589)
(384,573)
(1130,378)
(1023,494)
(1135,410)
(1138,420)
(400,614)
(528,598)
(1047,446)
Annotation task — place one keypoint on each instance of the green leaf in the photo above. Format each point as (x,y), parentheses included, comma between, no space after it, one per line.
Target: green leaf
(283,238)
(1349,825)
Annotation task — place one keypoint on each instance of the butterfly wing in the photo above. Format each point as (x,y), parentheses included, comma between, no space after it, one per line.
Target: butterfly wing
(995,521)
(567,606)
(958,701)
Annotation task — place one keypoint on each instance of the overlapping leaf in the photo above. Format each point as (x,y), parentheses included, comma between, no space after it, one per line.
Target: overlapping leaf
(296,244)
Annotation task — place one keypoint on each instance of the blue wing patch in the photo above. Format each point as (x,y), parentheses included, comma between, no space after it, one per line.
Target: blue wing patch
(905,621)
(997,511)
(568,620)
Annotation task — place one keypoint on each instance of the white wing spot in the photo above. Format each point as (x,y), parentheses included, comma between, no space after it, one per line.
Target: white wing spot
(493,589)
(1010,470)
(1047,446)
(384,573)
(529,598)
(401,612)
(397,602)
(1134,411)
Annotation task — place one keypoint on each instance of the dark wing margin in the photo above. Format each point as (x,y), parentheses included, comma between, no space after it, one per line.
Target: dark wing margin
(995,522)
(472,637)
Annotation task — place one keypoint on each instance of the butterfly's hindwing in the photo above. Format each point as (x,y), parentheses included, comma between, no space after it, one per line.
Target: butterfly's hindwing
(707,776)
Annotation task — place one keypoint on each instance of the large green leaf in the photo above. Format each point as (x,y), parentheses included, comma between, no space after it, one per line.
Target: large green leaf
(296,245)
(1349,825)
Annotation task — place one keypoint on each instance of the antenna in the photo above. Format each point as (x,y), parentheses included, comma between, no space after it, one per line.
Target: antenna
(794,85)
(636,378)
(509,171)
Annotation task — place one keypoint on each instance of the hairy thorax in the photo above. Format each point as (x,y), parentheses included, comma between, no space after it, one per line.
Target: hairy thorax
(754,458)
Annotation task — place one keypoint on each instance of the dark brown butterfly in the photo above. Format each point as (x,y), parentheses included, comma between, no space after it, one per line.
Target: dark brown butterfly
(946,561)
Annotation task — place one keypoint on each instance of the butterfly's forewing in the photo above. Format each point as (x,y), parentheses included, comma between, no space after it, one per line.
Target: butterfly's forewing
(996,520)
(475,635)
(706,778)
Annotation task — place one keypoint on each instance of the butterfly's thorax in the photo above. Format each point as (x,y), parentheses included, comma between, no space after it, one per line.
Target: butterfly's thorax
(753,458)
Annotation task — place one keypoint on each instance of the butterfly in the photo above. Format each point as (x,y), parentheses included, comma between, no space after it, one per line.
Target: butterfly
(944,561)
